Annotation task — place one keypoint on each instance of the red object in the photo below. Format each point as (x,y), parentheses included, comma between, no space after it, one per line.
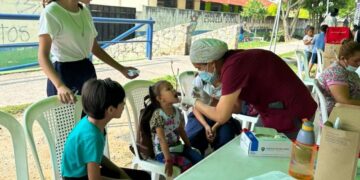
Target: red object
(268,83)
(334,35)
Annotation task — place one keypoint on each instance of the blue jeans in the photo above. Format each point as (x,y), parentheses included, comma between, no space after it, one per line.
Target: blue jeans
(196,133)
(189,153)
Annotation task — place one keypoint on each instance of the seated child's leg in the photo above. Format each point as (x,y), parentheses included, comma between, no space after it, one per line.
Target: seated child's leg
(314,58)
(179,161)
(224,134)
(192,155)
(114,172)
(111,170)
(137,174)
(196,133)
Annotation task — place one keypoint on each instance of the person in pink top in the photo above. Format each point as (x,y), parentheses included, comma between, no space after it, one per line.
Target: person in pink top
(257,76)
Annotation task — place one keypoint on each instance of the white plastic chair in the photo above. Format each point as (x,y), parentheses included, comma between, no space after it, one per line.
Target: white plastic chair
(56,120)
(301,60)
(247,122)
(322,107)
(135,92)
(185,81)
(320,62)
(19,144)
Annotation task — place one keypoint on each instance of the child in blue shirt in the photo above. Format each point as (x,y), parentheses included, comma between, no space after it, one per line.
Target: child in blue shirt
(83,158)
(319,43)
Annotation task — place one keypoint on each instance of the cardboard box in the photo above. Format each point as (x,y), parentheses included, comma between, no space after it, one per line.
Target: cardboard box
(265,144)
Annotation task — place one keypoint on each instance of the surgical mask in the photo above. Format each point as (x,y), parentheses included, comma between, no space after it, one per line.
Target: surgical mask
(351,68)
(207,77)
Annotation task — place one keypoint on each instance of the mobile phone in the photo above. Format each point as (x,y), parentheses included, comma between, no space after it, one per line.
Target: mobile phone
(132,72)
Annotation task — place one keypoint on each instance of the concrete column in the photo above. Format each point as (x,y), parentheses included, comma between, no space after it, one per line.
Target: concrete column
(197,4)
(181,4)
(152,3)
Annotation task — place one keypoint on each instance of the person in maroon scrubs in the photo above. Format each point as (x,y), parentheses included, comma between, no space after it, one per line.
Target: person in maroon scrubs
(257,76)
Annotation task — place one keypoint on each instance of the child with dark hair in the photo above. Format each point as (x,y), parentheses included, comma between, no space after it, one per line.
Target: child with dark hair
(167,125)
(309,35)
(318,43)
(83,158)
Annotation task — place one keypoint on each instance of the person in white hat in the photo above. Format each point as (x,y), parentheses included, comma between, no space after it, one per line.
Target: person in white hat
(257,76)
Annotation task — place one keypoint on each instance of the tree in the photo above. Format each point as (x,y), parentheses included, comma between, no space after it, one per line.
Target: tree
(255,10)
(287,7)
(317,9)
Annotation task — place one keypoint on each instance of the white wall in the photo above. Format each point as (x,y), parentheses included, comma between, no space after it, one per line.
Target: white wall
(19,31)
(138,4)
(107,2)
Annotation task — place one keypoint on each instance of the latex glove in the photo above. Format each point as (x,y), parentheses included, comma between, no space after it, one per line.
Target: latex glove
(188,101)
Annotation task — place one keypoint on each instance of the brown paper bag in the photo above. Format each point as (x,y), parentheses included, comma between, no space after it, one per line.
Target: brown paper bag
(330,53)
(349,116)
(338,154)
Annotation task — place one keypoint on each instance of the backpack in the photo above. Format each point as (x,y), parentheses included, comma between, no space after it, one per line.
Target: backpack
(143,133)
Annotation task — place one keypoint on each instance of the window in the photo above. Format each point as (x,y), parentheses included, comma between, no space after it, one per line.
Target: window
(167,3)
(202,5)
(216,7)
(189,4)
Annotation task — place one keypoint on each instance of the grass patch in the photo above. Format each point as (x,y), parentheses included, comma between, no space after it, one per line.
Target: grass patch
(16,109)
(288,55)
(252,44)
(169,78)
(18,56)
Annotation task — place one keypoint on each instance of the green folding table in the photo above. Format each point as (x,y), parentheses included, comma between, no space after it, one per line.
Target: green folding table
(230,162)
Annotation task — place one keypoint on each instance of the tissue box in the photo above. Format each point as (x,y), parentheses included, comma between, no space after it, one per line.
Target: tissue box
(278,145)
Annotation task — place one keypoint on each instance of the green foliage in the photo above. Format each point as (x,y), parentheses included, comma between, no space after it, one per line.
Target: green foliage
(16,109)
(254,9)
(318,7)
(349,8)
(169,78)
(252,44)
(271,10)
(304,14)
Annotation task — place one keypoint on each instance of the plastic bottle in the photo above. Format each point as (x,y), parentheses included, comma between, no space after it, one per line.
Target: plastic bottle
(303,153)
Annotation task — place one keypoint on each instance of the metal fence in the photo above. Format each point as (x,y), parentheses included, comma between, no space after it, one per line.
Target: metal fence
(119,39)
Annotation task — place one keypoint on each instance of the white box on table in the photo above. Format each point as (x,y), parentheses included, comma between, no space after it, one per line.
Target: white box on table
(278,145)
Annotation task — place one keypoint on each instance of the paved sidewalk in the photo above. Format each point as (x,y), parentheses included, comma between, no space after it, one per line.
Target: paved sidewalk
(28,87)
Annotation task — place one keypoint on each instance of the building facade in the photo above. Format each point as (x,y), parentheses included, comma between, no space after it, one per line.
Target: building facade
(138,4)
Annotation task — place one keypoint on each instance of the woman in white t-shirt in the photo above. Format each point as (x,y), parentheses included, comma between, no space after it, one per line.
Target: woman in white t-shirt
(66,39)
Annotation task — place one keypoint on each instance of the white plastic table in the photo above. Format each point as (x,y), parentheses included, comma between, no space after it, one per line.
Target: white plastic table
(230,162)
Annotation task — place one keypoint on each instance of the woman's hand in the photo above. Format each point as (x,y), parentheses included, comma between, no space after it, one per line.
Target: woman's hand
(168,167)
(65,95)
(209,134)
(214,129)
(125,72)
